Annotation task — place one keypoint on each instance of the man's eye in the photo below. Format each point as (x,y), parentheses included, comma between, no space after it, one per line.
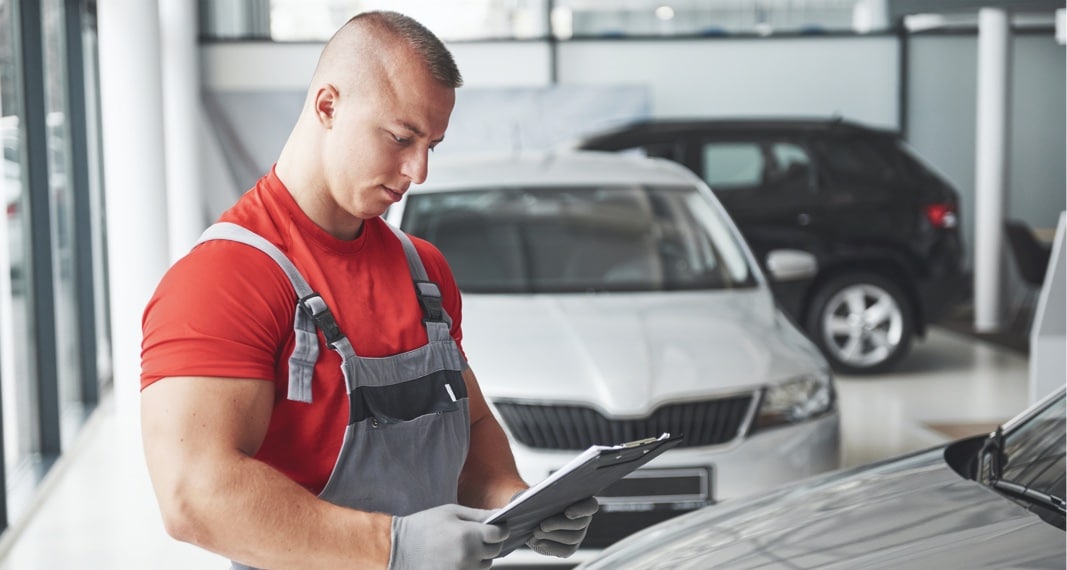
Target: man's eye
(401,140)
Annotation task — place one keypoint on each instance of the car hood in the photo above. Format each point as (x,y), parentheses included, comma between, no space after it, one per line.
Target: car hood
(913,512)
(630,352)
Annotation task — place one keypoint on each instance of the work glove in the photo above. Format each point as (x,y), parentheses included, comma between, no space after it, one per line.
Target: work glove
(448,536)
(561,534)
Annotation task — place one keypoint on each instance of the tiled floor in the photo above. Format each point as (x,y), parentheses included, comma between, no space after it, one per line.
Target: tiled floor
(99,512)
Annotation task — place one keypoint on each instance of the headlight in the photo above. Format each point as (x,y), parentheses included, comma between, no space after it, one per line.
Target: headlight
(796,400)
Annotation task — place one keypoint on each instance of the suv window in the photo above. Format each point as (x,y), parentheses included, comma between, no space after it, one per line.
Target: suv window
(855,159)
(580,239)
(780,166)
(732,165)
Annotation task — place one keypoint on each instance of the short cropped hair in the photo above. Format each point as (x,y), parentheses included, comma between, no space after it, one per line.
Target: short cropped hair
(427,45)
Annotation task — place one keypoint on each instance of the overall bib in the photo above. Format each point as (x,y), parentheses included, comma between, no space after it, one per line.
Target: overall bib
(409,418)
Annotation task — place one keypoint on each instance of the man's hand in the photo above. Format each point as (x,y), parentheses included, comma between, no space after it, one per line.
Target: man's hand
(449,536)
(561,535)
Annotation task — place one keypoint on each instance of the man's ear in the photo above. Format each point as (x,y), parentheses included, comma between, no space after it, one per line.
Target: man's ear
(325,104)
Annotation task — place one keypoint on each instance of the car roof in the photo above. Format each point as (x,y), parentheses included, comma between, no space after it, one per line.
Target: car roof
(544,168)
(645,130)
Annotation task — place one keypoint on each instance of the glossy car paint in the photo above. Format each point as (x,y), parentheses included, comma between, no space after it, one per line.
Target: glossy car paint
(915,511)
(911,513)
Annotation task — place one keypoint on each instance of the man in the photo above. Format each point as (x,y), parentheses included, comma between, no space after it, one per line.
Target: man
(347,432)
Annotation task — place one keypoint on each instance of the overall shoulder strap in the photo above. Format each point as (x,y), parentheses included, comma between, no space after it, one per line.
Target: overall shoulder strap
(311,310)
(429,293)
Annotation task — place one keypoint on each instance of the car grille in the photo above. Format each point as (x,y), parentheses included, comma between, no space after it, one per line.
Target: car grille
(549,426)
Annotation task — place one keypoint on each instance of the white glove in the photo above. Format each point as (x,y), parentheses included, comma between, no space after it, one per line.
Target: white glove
(561,535)
(448,536)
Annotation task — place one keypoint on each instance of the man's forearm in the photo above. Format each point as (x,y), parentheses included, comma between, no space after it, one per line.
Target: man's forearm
(247,511)
(489,477)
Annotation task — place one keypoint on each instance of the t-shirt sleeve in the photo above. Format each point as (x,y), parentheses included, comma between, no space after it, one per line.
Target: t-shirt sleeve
(217,312)
(439,272)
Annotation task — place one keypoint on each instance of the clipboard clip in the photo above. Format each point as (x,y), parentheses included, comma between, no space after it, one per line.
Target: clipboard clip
(639,443)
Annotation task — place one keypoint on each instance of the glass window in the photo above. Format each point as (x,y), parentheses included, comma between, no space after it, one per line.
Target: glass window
(715,17)
(855,159)
(792,170)
(17,344)
(296,20)
(733,164)
(1035,453)
(582,239)
(1025,461)
(316,20)
(61,199)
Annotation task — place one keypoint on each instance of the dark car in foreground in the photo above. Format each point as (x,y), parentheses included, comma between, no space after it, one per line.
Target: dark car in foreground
(994,501)
(881,225)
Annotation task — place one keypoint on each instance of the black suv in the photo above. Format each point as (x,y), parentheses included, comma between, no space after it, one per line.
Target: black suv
(881,225)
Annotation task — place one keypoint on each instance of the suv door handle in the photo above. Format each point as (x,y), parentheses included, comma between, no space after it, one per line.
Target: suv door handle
(803,219)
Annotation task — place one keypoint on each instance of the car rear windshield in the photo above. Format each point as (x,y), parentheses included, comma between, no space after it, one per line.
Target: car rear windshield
(581,239)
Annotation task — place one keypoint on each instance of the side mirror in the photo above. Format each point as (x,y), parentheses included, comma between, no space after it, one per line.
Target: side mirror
(791,264)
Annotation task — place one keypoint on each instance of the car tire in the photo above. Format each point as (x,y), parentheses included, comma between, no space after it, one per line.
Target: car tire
(862,322)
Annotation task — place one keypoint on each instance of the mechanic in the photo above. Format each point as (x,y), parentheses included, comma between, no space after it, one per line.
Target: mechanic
(305,399)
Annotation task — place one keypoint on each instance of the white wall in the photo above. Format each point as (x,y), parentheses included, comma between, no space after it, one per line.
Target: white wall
(503,64)
(264,66)
(855,77)
(942,102)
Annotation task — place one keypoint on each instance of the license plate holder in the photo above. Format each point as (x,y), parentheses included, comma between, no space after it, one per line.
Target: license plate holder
(673,489)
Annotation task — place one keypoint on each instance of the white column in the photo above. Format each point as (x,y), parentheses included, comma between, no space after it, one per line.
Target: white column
(991,159)
(131,101)
(1048,367)
(181,113)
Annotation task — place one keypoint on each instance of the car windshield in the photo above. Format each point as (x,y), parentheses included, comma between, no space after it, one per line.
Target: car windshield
(1031,467)
(580,239)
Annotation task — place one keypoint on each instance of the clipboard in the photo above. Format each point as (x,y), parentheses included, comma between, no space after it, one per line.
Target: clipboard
(586,475)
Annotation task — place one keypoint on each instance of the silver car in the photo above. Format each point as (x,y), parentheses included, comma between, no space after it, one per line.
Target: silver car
(993,501)
(609,298)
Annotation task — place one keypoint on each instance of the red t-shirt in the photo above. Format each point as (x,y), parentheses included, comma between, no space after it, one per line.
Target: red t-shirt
(226,310)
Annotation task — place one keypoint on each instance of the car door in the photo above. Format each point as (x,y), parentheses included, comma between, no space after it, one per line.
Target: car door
(865,200)
(767,184)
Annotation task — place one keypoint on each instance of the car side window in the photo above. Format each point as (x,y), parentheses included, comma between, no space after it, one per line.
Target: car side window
(856,160)
(777,166)
(792,169)
(731,165)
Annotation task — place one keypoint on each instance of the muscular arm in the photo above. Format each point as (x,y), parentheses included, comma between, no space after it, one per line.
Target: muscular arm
(489,478)
(199,437)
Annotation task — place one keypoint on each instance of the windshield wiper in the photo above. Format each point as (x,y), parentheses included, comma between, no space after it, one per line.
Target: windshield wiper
(1044,499)
(993,452)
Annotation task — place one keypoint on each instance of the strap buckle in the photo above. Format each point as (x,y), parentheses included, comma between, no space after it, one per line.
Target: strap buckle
(315,308)
(430,299)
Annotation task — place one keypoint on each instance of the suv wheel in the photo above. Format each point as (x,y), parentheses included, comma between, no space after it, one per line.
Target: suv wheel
(862,322)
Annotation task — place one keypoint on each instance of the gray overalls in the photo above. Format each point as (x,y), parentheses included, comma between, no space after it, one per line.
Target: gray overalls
(409,417)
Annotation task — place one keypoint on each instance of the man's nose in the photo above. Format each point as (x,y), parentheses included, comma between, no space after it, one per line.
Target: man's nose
(415,166)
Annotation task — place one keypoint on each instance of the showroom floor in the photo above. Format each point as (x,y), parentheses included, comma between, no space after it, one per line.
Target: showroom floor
(99,511)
